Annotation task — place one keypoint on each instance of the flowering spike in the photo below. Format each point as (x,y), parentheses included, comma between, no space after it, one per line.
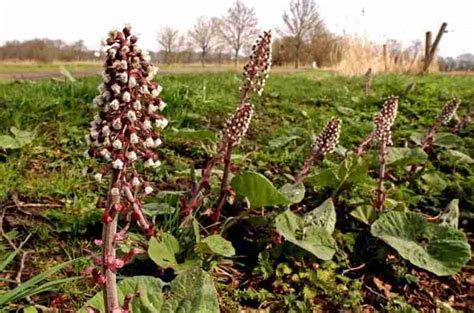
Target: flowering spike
(257,69)
(237,125)
(448,111)
(327,140)
(325,143)
(383,122)
(120,136)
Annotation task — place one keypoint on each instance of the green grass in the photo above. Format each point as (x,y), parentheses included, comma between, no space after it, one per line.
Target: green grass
(294,108)
(293,104)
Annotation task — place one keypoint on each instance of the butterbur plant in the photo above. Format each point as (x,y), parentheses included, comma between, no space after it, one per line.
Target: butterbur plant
(325,143)
(382,133)
(123,137)
(382,121)
(444,117)
(254,76)
(463,121)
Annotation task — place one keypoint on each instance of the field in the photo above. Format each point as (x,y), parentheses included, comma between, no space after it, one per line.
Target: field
(49,204)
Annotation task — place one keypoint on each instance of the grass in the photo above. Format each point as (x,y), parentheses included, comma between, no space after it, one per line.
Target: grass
(292,110)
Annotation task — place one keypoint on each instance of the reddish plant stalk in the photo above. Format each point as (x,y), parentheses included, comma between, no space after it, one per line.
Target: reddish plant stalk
(122,134)
(447,113)
(110,288)
(463,121)
(224,189)
(382,132)
(254,76)
(325,143)
(380,192)
(365,144)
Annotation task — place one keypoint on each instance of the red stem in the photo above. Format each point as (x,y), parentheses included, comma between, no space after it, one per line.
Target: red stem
(224,183)
(108,238)
(425,144)
(365,144)
(379,202)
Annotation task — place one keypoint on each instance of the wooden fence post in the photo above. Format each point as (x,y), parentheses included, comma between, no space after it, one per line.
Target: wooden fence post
(427,46)
(433,47)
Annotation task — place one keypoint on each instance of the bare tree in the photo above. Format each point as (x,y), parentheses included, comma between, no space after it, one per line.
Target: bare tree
(301,21)
(203,36)
(170,40)
(239,27)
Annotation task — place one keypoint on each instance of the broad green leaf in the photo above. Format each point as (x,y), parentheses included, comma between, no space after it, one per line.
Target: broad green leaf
(8,142)
(457,157)
(281,141)
(326,178)
(258,190)
(190,292)
(405,156)
(450,217)
(447,140)
(323,216)
(215,244)
(163,251)
(439,249)
(364,213)
(23,137)
(352,170)
(311,238)
(155,208)
(293,192)
(30,309)
(417,137)
(434,182)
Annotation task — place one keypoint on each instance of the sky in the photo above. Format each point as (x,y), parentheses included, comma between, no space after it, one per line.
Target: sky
(374,20)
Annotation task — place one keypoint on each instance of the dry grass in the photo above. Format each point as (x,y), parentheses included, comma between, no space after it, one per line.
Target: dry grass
(357,55)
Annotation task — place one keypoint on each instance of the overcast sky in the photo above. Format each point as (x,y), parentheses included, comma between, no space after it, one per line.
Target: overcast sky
(380,20)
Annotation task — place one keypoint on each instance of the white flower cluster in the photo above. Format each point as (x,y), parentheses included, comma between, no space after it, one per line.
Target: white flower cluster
(384,120)
(448,111)
(327,140)
(126,128)
(237,125)
(257,69)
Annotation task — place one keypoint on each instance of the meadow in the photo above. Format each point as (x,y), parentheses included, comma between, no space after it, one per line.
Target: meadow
(49,205)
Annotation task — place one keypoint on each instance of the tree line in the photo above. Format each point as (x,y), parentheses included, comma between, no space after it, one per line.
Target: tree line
(302,38)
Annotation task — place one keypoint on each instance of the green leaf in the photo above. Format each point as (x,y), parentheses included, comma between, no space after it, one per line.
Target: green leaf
(190,292)
(258,190)
(434,182)
(155,208)
(301,232)
(163,251)
(281,141)
(450,217)
(364,213)
(215,244)
(352,170)
(23,137)
(293,192)
(447,140)
(30,309)
(439,249)
(326,178)
(457,157)
(323,216)
(8,142)
(406,156)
